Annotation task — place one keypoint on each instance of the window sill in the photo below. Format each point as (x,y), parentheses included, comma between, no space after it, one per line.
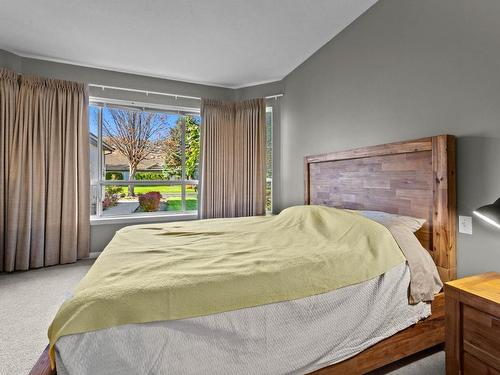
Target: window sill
(136,219)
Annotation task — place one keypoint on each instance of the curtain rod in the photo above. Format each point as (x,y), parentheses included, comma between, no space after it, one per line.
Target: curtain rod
(103,87)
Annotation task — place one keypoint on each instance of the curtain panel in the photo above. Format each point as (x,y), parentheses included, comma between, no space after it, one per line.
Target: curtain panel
(232,158)
(47,211)
(9,89)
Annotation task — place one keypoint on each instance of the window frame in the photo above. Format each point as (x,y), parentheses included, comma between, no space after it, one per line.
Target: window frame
(102,103)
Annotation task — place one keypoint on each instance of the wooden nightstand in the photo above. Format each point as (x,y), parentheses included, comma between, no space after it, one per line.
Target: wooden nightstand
(472,308)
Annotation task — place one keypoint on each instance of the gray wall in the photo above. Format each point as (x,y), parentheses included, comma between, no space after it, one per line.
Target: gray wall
(406,69)
(10,61)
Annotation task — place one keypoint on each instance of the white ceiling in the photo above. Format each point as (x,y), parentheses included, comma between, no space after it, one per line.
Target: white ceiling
(230,43)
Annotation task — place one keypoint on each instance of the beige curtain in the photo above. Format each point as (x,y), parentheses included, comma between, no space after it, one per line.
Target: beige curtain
(47,216)
(233,158)
(9,88)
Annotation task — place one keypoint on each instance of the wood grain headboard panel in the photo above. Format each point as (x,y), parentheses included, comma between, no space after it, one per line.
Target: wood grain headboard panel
(415,178)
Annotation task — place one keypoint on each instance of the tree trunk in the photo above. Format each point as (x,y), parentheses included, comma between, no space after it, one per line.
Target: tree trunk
(132,170)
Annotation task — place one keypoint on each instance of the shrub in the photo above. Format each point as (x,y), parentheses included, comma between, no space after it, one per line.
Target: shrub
(150,201)
(114,176)
(149,176)
(110,200)
(106,203)
(113,190)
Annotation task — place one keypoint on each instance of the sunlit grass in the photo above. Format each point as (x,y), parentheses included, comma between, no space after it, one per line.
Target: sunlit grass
(174,204)
(163,189)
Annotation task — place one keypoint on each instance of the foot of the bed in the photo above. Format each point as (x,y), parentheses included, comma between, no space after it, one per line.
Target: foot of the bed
(421,336)
(42,366)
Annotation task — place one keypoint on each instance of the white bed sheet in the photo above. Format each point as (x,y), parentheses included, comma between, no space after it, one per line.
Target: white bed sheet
(292,337)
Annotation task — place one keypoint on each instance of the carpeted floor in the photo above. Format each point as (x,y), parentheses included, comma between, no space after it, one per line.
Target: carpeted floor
(29,300)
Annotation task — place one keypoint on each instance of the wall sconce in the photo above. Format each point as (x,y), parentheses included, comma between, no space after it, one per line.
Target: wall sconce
(490,213)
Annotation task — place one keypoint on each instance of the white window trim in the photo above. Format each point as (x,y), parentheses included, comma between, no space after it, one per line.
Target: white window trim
(127,103)
(143,217)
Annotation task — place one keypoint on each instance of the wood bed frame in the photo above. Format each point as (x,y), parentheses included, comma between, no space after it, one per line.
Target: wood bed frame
(415,178)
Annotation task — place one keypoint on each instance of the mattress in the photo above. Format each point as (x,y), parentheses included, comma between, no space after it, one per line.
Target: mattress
(291,337)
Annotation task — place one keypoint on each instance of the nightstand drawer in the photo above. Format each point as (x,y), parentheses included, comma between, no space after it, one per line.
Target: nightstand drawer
(481,336)
(473,366)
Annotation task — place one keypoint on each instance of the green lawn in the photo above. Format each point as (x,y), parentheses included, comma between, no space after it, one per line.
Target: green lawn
(163,189)
(175,204)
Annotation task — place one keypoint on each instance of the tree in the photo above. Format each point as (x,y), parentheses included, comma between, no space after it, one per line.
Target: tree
(192,147)
(132,133)
(172,167)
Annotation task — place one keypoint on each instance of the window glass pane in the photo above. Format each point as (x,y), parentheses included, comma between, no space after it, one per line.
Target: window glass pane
(135,144)
(173,196)
(269,159)
(171,147)
(192,197)
(93,120)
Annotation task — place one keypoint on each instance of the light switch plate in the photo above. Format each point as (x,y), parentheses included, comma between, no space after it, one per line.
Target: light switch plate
(465,224)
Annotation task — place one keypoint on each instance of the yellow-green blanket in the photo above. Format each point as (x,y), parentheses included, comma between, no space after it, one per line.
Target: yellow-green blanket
(178,270)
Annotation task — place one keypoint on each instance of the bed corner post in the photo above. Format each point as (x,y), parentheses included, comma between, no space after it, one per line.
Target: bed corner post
(444,215)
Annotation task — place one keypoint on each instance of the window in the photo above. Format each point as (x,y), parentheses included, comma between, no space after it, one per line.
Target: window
(143,161)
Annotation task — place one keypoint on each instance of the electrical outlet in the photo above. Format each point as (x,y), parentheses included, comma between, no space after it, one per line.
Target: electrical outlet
(465,224)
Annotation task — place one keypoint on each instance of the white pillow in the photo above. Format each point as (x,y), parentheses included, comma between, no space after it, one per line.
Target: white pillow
(412,223)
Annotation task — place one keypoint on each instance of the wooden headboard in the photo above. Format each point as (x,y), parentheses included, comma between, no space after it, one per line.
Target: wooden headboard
(414,178)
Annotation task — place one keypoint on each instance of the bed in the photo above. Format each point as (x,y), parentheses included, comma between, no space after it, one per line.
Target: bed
(414,178)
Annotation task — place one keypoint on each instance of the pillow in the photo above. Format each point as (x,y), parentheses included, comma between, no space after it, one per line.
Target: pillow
(424,277)
(412,223)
